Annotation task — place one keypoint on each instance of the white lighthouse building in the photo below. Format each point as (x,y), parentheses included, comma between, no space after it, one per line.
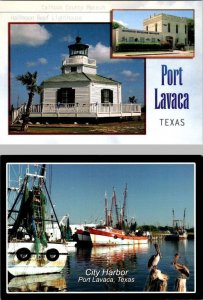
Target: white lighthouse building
(79,92)
(79,83)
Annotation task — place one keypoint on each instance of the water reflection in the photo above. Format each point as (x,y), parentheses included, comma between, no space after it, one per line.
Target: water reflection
(116,255)
(110,255)
(115,266)
(180,247)
(38,283)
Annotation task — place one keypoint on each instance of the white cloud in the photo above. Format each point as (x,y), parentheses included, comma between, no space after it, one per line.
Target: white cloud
(130,75)
(42,61)
(39,61)
(67,38)
(101,53)
(31,63)
(29,34)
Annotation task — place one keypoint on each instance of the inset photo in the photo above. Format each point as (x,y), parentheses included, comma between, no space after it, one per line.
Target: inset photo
(63,81)
(153,33)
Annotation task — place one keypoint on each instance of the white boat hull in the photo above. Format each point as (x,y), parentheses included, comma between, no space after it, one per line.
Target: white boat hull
(177,236)
(71,245)
(35,264)
(110,240)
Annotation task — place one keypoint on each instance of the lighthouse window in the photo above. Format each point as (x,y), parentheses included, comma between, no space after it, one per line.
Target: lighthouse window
(66,96)
(73,69)
(106,96)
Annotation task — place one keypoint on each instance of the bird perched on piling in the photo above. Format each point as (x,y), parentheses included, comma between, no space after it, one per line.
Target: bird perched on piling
(182,269)
(154,259)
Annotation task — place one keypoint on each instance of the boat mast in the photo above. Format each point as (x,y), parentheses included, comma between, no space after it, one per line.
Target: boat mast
(111,213)
(173,218)
(124,206)
(184,219)
(116,206)
(106,211)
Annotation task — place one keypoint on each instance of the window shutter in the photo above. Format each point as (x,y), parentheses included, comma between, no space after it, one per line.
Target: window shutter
(110,96)
(72,96)
(59,95)
(102,96)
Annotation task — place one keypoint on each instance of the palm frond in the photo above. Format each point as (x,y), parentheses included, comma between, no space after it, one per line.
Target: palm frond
(29,79)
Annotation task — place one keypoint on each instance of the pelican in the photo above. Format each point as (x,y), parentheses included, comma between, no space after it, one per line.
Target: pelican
(154,259)
(179,267)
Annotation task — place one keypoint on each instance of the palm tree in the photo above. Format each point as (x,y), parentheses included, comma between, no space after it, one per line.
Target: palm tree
(30,81)
(132,99)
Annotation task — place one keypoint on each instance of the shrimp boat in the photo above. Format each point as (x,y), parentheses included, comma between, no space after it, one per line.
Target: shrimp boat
(106,235)
(179,232)
(32,247)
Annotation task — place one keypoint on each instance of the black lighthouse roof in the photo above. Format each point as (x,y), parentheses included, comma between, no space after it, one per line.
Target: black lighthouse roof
(78,48)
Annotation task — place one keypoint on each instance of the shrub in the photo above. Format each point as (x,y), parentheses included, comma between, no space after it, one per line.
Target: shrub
(137,46)
(180,46)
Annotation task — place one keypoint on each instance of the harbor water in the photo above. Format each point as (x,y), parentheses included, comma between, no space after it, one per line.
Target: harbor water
(111,269)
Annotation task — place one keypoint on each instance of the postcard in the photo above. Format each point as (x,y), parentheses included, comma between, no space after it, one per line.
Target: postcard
(101,225)
(105,73)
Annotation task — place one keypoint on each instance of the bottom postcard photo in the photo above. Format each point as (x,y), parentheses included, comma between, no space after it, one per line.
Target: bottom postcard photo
(101,224)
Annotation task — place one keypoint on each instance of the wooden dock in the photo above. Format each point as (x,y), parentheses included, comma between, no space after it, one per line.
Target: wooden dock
(162,236)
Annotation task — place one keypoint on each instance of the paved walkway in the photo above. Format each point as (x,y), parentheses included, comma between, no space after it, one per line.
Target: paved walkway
(173,54)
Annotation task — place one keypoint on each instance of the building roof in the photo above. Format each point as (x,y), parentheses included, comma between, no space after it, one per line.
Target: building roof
(166,16)
(73,76)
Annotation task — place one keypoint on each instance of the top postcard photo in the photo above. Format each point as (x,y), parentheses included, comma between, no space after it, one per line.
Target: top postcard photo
(153,33)
(117,73)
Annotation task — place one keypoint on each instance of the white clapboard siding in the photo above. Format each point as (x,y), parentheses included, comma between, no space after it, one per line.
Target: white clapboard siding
(85,93)
(96,92)
(82,95)
(82,92)
(49,95)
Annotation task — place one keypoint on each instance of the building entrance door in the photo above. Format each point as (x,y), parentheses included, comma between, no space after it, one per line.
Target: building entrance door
(169,39)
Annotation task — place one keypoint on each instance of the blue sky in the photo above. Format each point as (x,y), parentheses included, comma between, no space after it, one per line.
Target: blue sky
(134,18)
(153,190)
(41,48)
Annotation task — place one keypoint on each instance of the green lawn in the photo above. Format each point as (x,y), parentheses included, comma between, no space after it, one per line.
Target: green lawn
(124,127)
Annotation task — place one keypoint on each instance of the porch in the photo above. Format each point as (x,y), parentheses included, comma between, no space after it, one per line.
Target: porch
(79,111)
